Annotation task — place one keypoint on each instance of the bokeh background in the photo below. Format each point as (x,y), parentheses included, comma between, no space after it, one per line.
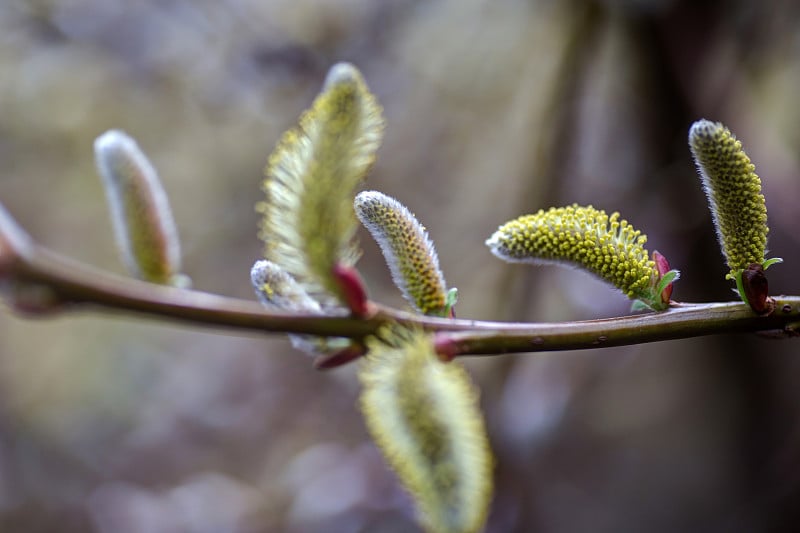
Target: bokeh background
(494,108)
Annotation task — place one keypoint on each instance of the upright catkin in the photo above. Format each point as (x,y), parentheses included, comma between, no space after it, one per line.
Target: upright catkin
(408,251)
(308,225)
(734,194)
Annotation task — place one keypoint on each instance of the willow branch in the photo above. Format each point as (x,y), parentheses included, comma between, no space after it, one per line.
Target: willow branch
(679,322)
(38,281)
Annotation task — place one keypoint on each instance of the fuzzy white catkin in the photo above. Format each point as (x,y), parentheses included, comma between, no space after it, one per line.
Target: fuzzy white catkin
(277,289)
(407,248)
(143,223)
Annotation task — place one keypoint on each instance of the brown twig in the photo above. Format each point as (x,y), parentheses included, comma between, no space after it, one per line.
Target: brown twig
(39,281)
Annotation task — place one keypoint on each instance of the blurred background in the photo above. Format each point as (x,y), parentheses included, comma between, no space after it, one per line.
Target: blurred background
(494,108)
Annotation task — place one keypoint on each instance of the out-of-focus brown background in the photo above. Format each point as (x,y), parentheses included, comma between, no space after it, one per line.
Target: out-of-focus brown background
(494,108)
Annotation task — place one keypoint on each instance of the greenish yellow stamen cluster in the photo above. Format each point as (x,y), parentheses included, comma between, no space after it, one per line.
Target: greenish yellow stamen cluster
(424,415)
(408,250)
(308,224)
(586,237)
(734,194)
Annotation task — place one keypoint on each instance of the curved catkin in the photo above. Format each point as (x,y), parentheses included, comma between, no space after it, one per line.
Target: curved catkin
(277,290)
(308,225)
(734,194)
(585,237)
(143,224)
(424,416)
(407,249)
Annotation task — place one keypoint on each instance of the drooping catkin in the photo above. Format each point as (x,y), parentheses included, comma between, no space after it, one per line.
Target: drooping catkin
(424,415)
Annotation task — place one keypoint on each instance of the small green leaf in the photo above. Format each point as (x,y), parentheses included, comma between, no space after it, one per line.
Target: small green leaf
(737,276)
(639,305)
(666,279)
(450,301)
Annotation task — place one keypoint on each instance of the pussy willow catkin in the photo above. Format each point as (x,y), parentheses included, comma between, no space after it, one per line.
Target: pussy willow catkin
(407,249)
(586,237)
(424,415)
(308,224)
(734,194)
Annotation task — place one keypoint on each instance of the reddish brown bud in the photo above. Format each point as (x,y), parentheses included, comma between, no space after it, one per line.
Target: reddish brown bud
(340,358)
(445,347)
(662,266)
(756,289)
(352,289)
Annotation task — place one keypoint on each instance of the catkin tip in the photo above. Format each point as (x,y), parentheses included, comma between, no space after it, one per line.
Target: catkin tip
(342,73)
(703,128)
(113,140)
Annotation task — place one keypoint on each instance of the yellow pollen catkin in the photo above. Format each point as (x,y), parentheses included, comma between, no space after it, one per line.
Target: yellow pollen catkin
(734,194)
(586,237)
